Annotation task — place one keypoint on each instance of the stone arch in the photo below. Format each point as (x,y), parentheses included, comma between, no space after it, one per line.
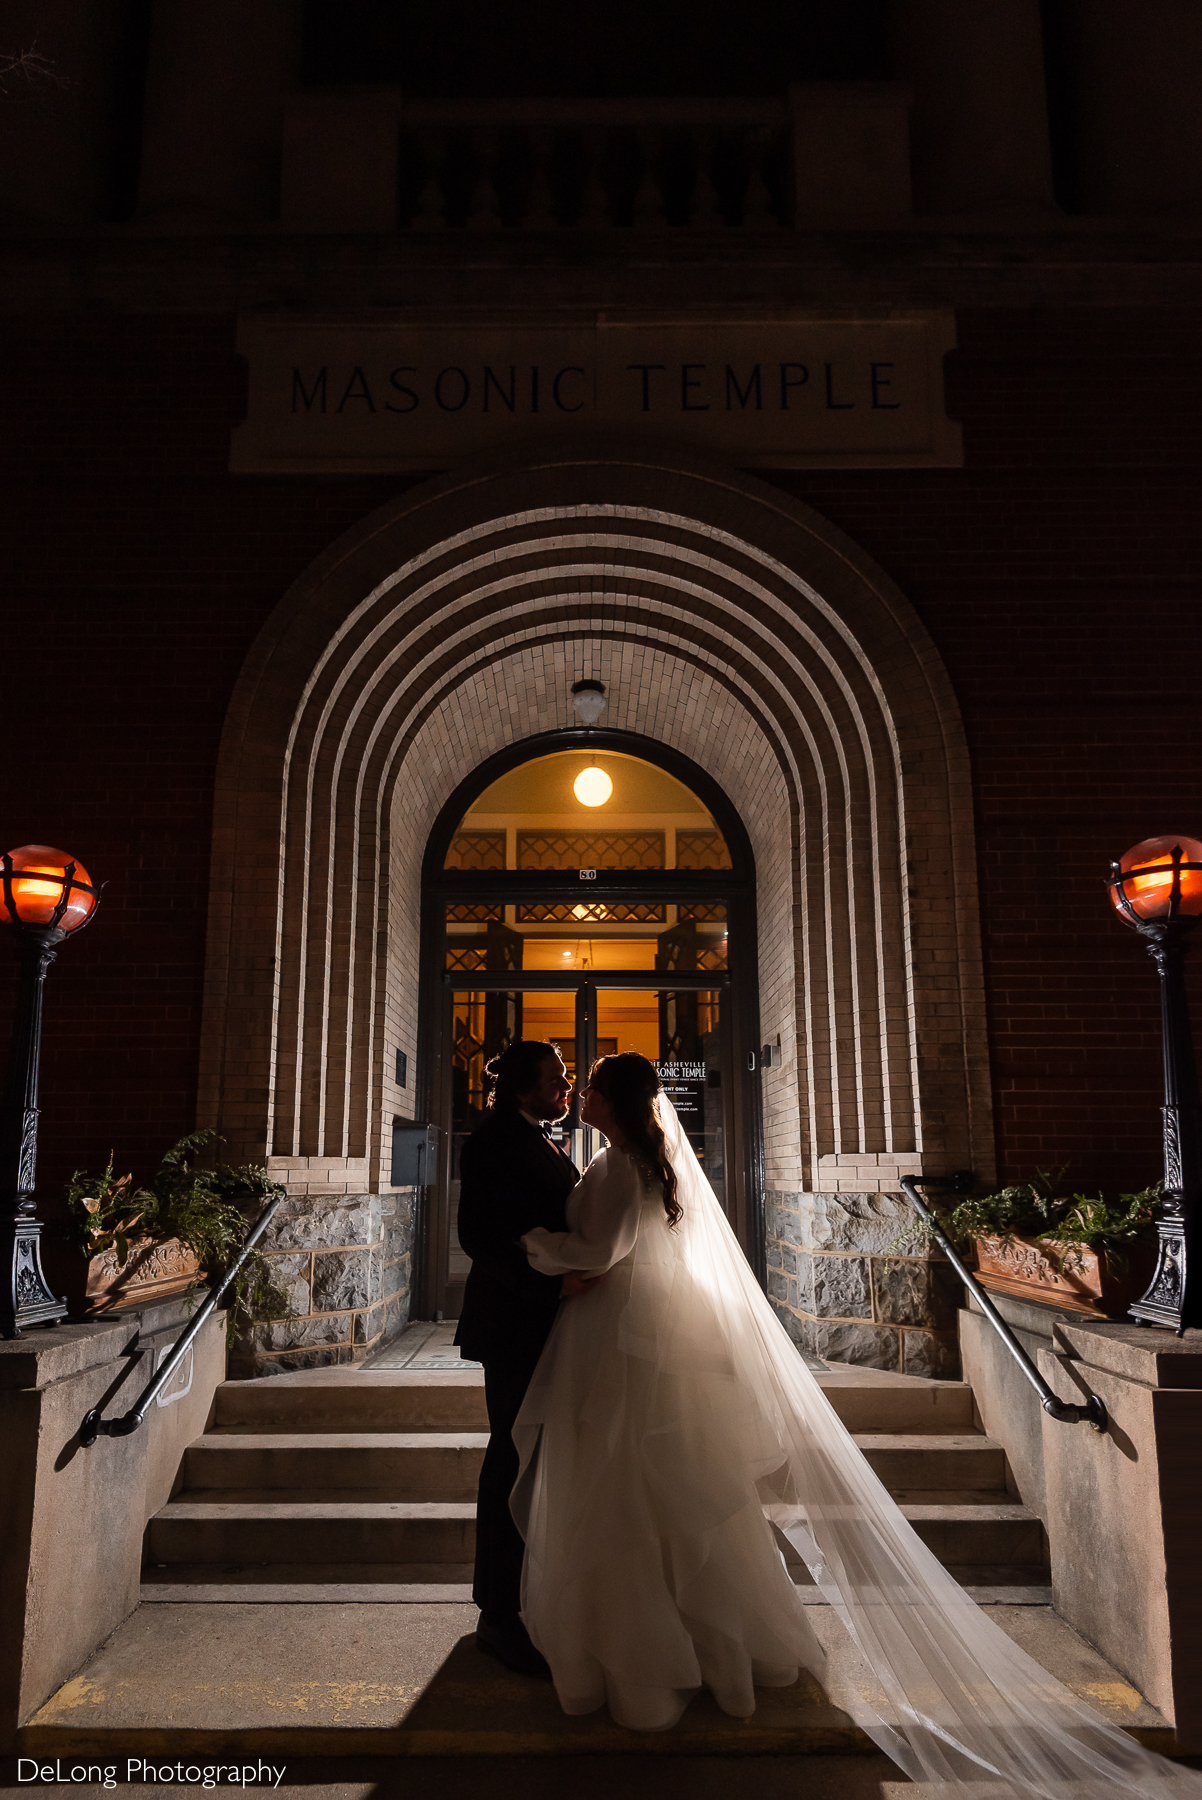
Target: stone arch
(727,621)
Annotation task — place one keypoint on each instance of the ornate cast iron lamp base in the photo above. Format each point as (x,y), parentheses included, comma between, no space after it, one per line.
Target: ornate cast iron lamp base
(26,1298)
(1164,915)
(30,1301)
(45,895)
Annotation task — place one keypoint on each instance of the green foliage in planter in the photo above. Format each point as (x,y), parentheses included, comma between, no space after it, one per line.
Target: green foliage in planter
(1033,1209)
(202,1207)
(1109,1226)
(1026,1209)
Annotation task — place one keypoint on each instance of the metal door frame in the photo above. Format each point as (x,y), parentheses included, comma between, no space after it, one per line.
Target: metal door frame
(734,888)
(585,988)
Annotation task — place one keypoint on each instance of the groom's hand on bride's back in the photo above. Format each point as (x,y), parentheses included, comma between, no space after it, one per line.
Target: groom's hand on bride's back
(575,1283)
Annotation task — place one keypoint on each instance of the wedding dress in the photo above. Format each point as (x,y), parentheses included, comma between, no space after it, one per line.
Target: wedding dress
(669,1421)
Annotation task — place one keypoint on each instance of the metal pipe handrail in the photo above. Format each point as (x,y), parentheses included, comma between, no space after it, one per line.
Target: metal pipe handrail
(93,1426)
(1068,1412)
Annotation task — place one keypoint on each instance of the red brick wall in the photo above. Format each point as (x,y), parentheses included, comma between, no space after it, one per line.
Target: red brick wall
(1057,573)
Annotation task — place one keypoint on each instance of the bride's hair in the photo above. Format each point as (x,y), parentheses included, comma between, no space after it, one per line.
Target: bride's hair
(630,1085)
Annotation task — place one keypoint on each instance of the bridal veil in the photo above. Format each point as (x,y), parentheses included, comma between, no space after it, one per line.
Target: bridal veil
(939,1687)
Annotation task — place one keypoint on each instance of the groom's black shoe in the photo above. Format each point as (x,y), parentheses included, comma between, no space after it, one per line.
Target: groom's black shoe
(510,1643)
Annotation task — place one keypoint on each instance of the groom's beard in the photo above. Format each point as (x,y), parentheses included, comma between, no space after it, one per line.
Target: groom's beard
(549,1110)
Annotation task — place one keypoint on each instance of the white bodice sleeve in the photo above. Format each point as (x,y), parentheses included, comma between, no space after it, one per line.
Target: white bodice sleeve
(604,1213)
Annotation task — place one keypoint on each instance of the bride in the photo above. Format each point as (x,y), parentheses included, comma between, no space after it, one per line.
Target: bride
(668,1426)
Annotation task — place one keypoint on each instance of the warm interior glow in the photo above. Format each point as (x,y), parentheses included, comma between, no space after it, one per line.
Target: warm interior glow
(592,787)
(1149,894)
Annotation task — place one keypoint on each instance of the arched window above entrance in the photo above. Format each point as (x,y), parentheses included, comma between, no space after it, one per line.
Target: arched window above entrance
(587,809)
(635,818)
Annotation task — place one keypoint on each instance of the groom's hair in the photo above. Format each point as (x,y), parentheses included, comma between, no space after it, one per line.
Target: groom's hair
(516,1070)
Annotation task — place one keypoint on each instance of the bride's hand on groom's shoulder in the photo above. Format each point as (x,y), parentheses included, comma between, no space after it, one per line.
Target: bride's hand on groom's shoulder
(575,1283)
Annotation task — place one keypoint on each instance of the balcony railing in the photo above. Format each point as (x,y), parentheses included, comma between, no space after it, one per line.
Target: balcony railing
(827,154)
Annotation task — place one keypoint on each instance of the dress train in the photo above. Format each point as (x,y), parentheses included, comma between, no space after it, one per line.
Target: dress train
(669,1420)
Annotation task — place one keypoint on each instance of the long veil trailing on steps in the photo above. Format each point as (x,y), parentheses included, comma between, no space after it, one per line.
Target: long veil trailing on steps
(941,1688)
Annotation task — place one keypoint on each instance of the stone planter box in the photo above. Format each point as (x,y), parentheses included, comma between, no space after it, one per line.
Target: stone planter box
(152,1271)
(1064,1275)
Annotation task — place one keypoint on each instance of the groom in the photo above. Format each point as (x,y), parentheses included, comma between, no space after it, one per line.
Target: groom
(512,1178)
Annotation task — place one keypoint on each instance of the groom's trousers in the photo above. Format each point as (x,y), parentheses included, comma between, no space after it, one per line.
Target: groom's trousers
(497,1588)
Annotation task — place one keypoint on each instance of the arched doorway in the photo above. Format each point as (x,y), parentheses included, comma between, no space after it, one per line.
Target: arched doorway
(729,625)
(624,921)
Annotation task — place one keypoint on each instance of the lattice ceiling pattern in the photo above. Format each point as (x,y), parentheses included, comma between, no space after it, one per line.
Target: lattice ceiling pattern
(701,850)
(590,849)
(476,850)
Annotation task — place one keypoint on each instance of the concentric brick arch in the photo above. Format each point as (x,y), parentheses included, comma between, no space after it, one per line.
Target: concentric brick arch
(726,622)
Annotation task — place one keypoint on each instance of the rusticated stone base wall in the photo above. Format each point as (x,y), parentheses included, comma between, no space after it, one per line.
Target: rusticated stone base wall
(344,1262)
(847,1277)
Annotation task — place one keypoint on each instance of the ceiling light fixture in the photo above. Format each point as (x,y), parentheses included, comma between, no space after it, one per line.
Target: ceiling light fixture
(588,701)
(592,787)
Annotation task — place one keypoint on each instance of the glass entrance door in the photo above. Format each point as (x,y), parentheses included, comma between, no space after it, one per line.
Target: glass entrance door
(483,1022)
(683,1030)
(601,918)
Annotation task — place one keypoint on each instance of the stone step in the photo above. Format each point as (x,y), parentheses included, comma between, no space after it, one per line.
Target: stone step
(1001,1531)
(988,1584)
(284,1681)
(878,1400)
(442,1465)
(353,1400)
(310,1583)
(274,1526)
(358,1400)
(360,1584)
(994,1584)
(446,1465)
(983,1531)
(918,1460)
(265,1527)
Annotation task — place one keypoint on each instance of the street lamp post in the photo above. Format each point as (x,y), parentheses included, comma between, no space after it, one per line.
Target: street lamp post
(1156,888)
(44,896)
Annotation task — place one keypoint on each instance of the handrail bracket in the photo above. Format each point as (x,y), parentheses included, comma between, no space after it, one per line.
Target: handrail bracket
(1091,1411)
(93,1426)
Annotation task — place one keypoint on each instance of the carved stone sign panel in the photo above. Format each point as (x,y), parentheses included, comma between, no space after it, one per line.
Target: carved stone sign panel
(384,393)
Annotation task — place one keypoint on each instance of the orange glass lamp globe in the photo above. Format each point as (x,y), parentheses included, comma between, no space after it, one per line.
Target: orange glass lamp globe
(33,882)
(1146,878)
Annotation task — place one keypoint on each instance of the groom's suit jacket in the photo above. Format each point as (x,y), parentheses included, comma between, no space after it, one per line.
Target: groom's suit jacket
(512,1178)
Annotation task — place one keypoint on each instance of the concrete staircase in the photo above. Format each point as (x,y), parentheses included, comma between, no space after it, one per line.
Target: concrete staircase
(317,1502)
(948,1478)
(347,1484)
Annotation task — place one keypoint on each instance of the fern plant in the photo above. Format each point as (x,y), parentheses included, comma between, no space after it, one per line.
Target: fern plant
(1109,1226)
(1025,1209)
(199,1205)
(1033,1209)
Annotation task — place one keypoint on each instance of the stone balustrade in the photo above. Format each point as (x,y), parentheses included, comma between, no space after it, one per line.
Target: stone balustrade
(374,160)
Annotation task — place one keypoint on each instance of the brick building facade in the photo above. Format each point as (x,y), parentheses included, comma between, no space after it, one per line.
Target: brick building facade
(1052,577)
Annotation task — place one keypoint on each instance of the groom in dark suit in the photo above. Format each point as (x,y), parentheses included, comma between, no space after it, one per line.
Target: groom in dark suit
(512,1178)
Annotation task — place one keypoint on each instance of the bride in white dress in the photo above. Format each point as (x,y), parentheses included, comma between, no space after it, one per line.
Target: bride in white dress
(669,1424)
